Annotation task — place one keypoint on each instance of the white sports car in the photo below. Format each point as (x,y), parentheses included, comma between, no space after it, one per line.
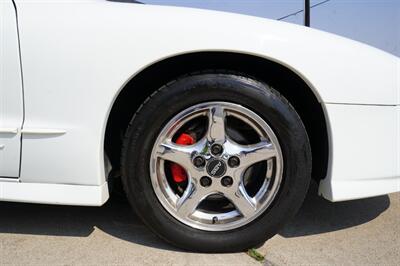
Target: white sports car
(215,122)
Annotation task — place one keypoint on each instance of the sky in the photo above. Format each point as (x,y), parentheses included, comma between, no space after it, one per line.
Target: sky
(375,22)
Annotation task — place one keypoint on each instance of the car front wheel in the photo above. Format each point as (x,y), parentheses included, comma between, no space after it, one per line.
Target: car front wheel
(216,162)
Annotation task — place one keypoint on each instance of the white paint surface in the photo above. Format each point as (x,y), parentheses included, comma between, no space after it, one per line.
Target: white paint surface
(77,56)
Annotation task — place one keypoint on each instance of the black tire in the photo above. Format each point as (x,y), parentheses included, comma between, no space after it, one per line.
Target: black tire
(204,87)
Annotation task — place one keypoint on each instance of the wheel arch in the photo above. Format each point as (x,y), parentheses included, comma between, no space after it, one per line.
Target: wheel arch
(295,88)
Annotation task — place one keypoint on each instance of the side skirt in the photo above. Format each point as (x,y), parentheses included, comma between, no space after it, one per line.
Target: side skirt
(58,194)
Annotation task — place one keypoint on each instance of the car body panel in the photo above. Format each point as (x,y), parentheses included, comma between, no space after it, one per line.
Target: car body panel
(365,151)
(77,57)
(11,100)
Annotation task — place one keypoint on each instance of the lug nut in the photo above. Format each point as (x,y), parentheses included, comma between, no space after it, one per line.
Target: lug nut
(216,149)
(234,161)
(199,161)
(205,181)
(227,181)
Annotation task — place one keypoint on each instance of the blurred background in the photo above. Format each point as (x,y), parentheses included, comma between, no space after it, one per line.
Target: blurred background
(374,22)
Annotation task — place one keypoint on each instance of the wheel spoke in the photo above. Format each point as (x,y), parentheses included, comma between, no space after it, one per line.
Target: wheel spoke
(216,124)
(180,154)
(242,201)
(190,200)
(176,153)
(255,153)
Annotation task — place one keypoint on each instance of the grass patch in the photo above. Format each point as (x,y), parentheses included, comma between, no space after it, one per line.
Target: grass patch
(256,255)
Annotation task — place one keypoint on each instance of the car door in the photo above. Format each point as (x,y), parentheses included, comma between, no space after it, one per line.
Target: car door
(11,94)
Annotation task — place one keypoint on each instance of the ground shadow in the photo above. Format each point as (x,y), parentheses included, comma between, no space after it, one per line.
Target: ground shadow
(318,215)
(116,218)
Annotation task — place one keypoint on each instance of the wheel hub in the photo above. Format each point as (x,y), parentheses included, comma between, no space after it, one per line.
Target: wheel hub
(216,167)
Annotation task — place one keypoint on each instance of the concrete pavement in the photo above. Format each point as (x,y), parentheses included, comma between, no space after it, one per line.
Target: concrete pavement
(362,232)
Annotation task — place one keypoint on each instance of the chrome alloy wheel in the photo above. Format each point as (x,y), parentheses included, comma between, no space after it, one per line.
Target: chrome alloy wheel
(231,180)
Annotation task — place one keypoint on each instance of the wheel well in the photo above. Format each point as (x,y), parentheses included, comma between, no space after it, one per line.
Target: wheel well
(289,84)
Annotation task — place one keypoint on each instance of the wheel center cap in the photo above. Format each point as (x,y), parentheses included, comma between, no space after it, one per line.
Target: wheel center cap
(216,168)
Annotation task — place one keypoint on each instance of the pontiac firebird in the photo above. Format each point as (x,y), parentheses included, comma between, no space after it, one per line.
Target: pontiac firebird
(216,123)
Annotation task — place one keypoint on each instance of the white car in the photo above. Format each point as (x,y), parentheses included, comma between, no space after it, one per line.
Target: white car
(215,122)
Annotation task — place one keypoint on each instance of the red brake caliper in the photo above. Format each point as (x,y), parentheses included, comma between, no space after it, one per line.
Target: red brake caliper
(178,172)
